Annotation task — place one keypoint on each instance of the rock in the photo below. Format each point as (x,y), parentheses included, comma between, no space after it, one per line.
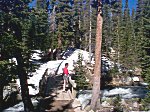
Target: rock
(85,103)
(105,104)
(123,102)
(53,94)
(63,95)
(87,108)
(91,111)
(76,103)
(135,104)
(84,95)
(19,97)
(135,79)
(144,84)
(78,109)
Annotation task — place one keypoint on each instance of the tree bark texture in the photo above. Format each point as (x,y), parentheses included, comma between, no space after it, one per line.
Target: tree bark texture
(90,34)
(97,68)
(28,106)
(59,47)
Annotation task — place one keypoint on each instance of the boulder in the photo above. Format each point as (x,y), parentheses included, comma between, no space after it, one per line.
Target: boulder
(85,104)
(105,104)
(76,103)
(135,79)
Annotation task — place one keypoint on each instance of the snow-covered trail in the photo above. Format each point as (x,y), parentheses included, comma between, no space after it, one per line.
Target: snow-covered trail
(37,76)
(53,66)
(70,57)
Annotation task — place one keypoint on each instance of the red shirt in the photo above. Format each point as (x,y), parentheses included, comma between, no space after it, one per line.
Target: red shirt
(65,71)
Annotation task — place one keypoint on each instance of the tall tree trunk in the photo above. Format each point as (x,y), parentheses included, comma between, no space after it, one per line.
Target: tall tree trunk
(59,46)
(52,28)
(97,68)
(28,106)
(90,33)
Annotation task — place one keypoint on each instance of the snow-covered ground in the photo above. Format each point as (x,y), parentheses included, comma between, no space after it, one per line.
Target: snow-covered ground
(70,57)
(124,92)
(37,76)
(73,58)
(20,107)
(36,54)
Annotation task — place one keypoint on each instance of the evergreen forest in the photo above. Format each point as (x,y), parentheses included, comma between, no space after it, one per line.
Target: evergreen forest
(53,26)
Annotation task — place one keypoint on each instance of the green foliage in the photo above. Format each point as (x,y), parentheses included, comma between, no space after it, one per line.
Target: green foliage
(80,74)
(38,31)
(116,29)
(114,71)
(7,72)
(22,29)
(64,30)
(127,41)
(146,103)
(106,40)
(117,104)
(143,33)
(146,41)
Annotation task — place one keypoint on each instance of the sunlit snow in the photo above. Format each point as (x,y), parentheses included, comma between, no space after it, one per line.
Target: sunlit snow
(71,57)
(19,107)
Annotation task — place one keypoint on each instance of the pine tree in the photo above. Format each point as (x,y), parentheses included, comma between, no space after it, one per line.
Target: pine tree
(78,22)
(116,28)
(52,27)
(106,43)
(86,24)
(6,68)
(139,30)
(6,75)
(135,60)
(38,32)
(142,29)
(127,42)
(146,41)
(64,25)
(80,76)
(15,33)
(64,29)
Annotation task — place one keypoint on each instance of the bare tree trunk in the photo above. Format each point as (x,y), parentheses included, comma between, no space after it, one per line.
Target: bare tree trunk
(28,106)
(97,68)
(59,47)
(86,42)
(52,28)
(90,34)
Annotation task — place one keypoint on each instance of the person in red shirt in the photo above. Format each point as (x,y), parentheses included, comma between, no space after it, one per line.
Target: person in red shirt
(65,76)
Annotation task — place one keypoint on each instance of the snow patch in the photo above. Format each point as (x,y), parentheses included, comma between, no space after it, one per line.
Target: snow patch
(73,59)
(124,92)
(37,76)
(20,107)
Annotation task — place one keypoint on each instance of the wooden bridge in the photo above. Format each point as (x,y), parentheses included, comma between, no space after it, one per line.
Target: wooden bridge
(54,99)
